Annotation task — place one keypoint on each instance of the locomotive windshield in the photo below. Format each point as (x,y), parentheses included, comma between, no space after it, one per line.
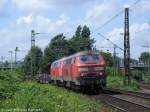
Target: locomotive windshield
(89,58)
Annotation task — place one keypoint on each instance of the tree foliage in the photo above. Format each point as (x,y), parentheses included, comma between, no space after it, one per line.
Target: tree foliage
(81,40)
(108,58)
(145,57)
(33,62)
(57,48)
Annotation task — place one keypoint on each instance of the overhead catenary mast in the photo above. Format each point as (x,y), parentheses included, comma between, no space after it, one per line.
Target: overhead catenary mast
(16,50)
(32,46)
(32,38)
(126,48)
(11,60)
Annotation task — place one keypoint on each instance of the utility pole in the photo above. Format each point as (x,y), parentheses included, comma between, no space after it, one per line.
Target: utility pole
(147,45)
(32,66)
(126,48)
(32,46)
(11,61)
(2,59)
(16,50)
(114,55)
(32,38)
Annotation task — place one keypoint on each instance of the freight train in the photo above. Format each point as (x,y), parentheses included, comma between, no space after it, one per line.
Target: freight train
(83,70)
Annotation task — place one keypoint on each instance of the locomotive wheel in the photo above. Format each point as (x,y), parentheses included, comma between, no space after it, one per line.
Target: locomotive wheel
(55,82)
(77,88)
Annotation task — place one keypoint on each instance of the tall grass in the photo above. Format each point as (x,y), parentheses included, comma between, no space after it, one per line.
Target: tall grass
(117,80)
(147,78)
(48,98)
(9,83)
(17,95)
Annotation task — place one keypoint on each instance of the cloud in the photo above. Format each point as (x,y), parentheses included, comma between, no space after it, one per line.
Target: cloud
(139,35)
(18,33)
(26,19)
(31,5)
(40,5)
(99,12)
(3,12)
(51,16)
(143,6)
(42,23)
(2,2)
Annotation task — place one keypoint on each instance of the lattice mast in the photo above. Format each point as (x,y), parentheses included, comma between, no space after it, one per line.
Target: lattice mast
(126,47)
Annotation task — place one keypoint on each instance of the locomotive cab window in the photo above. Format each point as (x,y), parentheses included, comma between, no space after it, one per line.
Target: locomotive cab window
(73,60)
(89,58)
(84,59)
(68,61)
(56,64)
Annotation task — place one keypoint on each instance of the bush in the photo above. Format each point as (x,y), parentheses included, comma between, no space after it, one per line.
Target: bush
(47,98)
(111,71)
(117,82)
(9,83)
(137,75)
(115,79)
(147,78)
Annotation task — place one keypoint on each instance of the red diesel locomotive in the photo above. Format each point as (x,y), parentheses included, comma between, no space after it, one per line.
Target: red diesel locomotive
(82,70)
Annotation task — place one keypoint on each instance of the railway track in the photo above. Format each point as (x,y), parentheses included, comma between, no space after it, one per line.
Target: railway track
(131,93)
(109,97)
(145,85)
(122,104)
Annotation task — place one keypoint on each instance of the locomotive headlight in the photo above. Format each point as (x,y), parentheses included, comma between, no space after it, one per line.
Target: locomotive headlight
(98,68)
(82,74)
(82,69)
(100,73)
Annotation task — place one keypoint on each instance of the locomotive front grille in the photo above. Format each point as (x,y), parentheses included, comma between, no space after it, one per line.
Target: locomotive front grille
(91,79)
(89,74)
(90,69)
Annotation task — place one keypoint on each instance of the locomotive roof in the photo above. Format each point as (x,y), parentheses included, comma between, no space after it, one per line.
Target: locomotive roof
(79,53)
(84,52)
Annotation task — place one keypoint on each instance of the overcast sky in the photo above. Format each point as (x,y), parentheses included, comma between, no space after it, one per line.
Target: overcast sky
(18,17)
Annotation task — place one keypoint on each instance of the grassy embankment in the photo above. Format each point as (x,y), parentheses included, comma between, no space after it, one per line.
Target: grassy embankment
(18,95)
(147,78)
(116,81)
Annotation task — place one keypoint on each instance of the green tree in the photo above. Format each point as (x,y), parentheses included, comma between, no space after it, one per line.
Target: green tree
(33,62)
(6,64)
(108,58)
(81,40)
(48,58)
(57,48)
(78,31)
(145,57)
(85,32)
(59,45)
